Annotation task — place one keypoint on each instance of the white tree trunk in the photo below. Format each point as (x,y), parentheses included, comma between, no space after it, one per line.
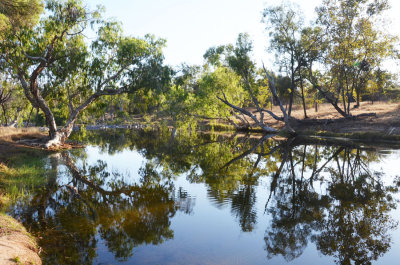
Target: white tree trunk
(57,140)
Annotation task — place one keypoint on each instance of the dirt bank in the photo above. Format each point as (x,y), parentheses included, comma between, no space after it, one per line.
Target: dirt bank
(386,122)
(327,121)
(16,245)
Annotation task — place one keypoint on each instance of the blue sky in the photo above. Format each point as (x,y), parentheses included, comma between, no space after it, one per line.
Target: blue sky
(192,26)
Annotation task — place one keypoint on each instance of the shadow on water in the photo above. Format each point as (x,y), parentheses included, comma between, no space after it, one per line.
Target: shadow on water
(318,193)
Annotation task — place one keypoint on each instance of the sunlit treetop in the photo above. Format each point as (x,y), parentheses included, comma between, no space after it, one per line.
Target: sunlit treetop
(18,13)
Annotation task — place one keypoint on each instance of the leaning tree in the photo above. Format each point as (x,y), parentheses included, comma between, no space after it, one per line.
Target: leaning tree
(59,68)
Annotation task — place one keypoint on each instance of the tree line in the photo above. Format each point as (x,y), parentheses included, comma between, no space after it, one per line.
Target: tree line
(52,74)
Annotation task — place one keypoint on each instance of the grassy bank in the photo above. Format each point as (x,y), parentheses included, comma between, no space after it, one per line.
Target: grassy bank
(22,170)
(18,179)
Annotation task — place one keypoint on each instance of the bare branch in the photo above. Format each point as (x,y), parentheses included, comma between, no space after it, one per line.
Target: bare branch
(249,114)
(272,87)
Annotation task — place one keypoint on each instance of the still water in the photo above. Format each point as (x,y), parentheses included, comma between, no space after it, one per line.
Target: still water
(136,197)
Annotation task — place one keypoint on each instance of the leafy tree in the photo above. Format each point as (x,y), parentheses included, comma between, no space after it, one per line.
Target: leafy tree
(19,13)
(57,69)
(356,45)
(13,104)
(285,25)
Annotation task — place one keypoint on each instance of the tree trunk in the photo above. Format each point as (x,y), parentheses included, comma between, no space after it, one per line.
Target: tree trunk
(60,136)
(303,99)
(290,103)
(332,101)
(272,87)
(4,115)
(315,104)
(58,139)
(358,97)
(292,86)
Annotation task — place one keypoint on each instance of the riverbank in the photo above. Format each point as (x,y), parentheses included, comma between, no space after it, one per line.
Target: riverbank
(326,122)
(374,122)
(386,122)
(17,246)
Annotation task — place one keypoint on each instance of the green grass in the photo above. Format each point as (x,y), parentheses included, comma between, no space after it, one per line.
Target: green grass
(20,177)
(17,260)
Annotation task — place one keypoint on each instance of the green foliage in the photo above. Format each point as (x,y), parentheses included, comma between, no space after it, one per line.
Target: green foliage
(230,74)
(356,45)
(19,13)
(14,107)
(76,71)
(221,81)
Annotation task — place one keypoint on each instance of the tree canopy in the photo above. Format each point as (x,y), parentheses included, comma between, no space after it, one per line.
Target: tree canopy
(58,69)
(19,13)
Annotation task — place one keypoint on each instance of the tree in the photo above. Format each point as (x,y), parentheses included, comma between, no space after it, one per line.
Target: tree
(254,82)
(355,46)
(285,25)
(13,104)
(56,68)
(19,13)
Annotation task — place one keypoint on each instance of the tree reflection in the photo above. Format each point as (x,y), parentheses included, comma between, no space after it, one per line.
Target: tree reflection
(319,192)
(348,219)
(83,205)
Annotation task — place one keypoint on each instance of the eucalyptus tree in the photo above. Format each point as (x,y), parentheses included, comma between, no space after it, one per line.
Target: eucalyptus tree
(347,216)
(13,104)
(356,45)
(56,66)
(18,13)
(285,24)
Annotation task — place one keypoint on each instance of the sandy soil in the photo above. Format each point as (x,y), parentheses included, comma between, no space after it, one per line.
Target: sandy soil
(16,245)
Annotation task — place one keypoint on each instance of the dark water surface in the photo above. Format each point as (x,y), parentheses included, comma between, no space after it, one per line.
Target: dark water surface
(154,198)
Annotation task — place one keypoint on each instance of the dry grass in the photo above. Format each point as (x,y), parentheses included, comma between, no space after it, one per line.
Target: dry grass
(19,139)
(10,137)
(7,133)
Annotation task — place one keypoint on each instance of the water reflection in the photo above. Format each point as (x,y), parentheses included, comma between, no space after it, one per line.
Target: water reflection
(318,193)
(349,219)
(69,214)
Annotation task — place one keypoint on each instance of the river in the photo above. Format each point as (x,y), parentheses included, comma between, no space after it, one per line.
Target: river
(150,197)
